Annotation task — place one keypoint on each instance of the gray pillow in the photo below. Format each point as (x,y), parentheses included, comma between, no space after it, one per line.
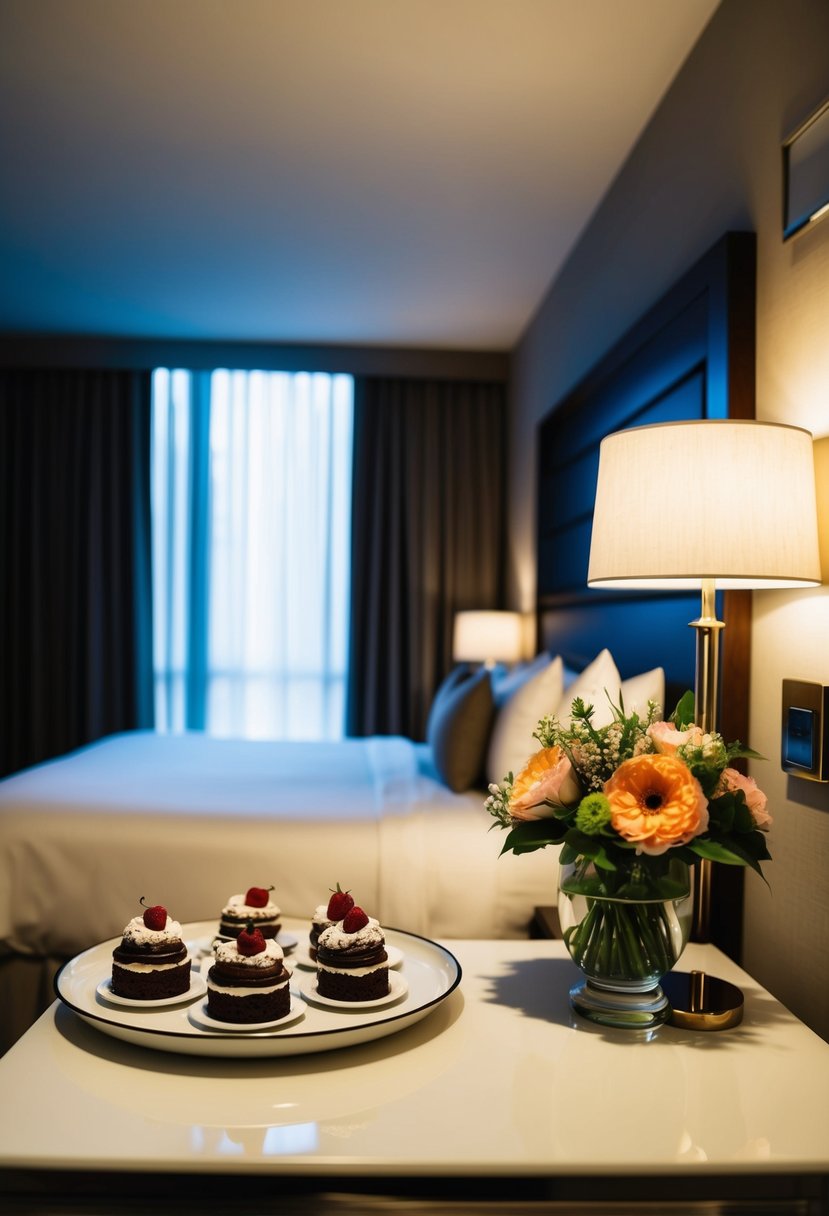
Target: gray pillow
(459,726)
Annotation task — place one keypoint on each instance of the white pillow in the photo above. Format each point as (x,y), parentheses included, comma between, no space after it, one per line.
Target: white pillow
(638,690)
(600,675)
(511,743)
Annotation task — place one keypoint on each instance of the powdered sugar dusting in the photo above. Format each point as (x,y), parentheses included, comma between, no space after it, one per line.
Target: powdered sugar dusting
(136,931)
(237,907)
(336,938)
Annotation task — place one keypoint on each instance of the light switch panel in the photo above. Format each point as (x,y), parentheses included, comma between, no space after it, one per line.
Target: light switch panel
(803,752)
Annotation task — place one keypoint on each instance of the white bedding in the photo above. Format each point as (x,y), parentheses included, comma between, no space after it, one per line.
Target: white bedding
(189,820)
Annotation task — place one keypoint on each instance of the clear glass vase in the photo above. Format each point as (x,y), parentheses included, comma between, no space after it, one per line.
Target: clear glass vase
(624,929)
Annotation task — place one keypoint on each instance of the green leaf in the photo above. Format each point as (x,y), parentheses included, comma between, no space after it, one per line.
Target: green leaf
(734,853)
(743,818)
(683,715)
(737,751)
(601,859)
(568,854)
(752,844)
(708,779)
(535,834)
(712,850)
(722,811)
(581,845)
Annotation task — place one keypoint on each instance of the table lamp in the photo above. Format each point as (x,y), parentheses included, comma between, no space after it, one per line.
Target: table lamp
(706,504)
(488,637)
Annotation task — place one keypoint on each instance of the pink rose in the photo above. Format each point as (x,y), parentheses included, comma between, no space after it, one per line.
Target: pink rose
(545,782)
(731,781)
(666,738)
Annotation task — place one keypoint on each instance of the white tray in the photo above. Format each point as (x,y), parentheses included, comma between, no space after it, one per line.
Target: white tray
(431,973)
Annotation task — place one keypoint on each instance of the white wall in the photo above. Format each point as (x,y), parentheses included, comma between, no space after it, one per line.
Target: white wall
(710,161)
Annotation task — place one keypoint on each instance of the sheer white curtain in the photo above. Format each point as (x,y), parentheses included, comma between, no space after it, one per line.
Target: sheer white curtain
(251,534)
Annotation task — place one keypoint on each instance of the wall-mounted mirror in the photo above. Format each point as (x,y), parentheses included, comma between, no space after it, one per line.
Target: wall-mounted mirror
(806,173)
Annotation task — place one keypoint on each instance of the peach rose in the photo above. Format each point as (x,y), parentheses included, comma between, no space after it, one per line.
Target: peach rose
(546,782)
(656,802)
(731,781)
(666,738)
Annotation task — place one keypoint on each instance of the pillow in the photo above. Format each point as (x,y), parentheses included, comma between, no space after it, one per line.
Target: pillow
(590,684)
(638,690)
(458,728)
(507,680)
(512,741)
(603,674)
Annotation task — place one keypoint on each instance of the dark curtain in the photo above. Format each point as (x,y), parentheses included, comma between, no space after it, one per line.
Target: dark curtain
(76,613)
(428,539)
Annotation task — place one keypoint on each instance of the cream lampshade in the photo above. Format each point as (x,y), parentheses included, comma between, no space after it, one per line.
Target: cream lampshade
(683,502)
(488,637)
(706,504)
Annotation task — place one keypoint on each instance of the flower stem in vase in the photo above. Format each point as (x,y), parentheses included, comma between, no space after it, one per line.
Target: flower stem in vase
(624,938)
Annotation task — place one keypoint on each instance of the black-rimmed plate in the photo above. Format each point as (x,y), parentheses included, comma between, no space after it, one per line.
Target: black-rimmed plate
(431,971)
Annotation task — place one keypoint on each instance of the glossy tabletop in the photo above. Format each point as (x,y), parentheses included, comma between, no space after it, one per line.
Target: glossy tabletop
(501,1078)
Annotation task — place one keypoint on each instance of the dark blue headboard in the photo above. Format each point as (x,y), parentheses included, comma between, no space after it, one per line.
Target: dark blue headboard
(690,356)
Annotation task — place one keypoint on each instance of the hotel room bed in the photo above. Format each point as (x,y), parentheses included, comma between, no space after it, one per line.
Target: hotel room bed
(188,820)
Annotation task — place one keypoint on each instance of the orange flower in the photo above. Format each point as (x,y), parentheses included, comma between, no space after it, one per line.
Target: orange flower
(546,781)
(655,802)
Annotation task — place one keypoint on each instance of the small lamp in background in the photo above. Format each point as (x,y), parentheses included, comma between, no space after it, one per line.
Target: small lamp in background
(707,504)
(488,637)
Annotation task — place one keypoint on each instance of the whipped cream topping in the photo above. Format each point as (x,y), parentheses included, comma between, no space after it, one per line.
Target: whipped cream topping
(237,907)
(321,916)
(354,971)
(228,952)
(144,968)
(136,931)
(336,938)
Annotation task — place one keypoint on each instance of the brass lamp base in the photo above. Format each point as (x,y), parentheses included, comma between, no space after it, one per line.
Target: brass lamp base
(702,1002)
(699,1001)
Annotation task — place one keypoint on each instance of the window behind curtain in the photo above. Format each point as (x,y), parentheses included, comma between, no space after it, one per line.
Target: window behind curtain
(251,496)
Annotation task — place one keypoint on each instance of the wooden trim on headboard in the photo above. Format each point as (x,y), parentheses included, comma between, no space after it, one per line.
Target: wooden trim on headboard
(692,355)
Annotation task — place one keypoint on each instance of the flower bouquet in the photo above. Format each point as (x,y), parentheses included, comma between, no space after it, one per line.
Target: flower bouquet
(633,805)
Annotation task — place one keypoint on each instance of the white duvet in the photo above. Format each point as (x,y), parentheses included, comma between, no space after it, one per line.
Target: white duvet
(189,820)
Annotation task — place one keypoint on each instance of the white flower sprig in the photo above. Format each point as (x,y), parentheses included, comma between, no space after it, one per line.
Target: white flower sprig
(596,752)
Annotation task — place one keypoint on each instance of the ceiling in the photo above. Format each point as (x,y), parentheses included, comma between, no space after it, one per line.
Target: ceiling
(384,172)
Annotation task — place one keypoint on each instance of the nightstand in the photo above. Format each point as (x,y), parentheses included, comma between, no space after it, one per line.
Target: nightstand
(545,923)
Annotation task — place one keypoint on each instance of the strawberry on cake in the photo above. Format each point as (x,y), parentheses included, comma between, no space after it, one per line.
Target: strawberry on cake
(248,981)
(352,964)
(152,962)
(254,905)
(338,906)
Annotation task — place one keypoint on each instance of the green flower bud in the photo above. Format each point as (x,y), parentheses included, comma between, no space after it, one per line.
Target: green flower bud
(593,814)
